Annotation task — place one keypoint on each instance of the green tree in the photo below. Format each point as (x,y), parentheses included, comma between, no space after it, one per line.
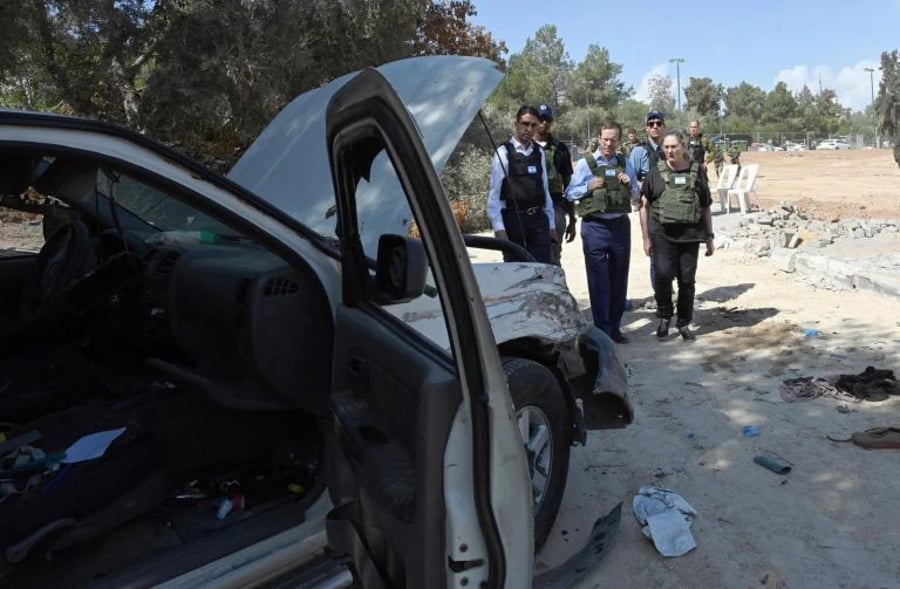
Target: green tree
(539,74)
(888,103)
(660,90)
(702,96)
(746,100)
(829,112)
(805,117)
(780,105)
(599,77)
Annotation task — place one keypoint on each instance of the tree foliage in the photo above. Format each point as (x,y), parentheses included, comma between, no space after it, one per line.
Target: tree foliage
(208,74)
(702,96)
(444,29)
(660,90)
(745,100)
(888,103)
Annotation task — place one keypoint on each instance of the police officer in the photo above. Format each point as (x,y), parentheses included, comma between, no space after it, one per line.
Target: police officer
(519,205)
(604,184)
(645,154)
(558,162)
(675,220)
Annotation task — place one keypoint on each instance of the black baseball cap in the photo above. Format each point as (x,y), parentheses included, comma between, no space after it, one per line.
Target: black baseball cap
(655,115)
(545,112)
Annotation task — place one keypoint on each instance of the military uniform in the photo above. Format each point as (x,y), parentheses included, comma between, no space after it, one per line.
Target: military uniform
(558,162)
(700,149)
(735,154)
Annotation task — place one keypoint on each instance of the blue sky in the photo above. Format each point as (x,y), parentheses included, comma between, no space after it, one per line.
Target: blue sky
(762,42)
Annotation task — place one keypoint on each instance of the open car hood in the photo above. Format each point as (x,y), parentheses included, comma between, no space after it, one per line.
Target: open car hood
(288,163)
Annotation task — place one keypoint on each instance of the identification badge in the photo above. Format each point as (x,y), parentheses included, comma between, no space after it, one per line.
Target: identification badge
(532,169)
(680,180)
(610,173)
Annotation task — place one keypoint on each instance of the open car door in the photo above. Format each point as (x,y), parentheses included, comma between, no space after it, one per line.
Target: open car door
(428,477)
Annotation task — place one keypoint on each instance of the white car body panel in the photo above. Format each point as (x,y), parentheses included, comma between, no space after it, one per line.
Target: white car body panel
(522,299)
(288,163)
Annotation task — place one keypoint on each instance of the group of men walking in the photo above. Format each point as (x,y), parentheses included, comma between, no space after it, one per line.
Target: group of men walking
(534,190)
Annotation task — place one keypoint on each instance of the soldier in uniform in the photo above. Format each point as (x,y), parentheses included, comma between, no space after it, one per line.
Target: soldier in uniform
(633,140)
(604,184)
(735,155)
(558,162)
(699,148)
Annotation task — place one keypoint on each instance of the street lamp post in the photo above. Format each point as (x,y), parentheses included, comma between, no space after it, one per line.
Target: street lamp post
(587,97)
(874,117)
(678,61)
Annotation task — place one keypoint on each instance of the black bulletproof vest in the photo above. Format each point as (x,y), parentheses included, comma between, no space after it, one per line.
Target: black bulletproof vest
(524,182)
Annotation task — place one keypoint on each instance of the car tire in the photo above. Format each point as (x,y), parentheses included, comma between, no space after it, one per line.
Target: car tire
(542,418)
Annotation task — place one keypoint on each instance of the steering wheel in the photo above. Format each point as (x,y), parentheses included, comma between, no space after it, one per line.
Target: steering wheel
(66,256)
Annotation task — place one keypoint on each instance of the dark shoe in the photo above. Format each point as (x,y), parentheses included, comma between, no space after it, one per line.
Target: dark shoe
(662,330)
(686,334)
(619,337)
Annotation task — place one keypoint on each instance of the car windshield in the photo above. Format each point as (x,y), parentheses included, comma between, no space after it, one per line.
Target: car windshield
(154,207)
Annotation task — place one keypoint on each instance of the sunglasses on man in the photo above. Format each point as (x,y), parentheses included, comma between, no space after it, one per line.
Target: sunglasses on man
(655,124)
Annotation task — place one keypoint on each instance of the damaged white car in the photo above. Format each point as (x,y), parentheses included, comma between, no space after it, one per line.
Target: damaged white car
(261,379)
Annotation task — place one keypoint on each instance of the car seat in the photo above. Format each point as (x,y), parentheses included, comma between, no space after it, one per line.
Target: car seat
(46,502)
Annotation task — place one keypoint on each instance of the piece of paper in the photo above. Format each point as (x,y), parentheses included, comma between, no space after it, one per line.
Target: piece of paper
(671,533)
(666,519)
(91,446)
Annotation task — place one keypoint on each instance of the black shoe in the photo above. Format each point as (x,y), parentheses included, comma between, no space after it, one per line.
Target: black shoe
(619,337)
(662,330)
(686,334)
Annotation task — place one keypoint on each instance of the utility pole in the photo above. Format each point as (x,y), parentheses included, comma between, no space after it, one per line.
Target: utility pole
(678,61)
(874,117)
(587,97)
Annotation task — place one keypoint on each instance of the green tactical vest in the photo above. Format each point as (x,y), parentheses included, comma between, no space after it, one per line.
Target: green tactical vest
(554,180)
(613,197)
(679,202)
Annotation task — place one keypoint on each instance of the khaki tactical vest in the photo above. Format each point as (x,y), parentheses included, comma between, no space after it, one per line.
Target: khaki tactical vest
(554,180)
(613,197)
(679,202)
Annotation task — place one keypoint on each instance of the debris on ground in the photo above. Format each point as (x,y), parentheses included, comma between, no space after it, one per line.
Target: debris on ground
(665,517)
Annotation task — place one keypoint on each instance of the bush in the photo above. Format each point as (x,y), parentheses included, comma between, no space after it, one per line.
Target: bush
(466,178)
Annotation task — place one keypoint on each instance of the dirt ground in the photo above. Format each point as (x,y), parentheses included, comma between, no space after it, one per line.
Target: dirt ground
(831,522)
(829,184)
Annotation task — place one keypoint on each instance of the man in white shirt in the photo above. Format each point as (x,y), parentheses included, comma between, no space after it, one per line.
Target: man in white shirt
(519,205)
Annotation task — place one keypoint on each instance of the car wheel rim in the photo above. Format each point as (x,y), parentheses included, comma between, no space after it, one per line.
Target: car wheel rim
(534,429)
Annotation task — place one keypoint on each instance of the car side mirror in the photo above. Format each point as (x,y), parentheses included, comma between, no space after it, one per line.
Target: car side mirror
(400,269)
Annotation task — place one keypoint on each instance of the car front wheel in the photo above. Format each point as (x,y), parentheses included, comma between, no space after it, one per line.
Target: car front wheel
(542,420)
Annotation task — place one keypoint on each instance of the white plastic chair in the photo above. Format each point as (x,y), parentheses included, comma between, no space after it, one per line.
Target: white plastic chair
(724,183)
(745,185)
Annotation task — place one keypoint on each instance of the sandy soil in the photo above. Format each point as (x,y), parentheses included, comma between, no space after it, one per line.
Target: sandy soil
(830,184)
(831,522)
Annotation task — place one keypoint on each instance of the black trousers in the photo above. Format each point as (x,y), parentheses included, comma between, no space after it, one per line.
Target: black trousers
(674,260)
(530,231)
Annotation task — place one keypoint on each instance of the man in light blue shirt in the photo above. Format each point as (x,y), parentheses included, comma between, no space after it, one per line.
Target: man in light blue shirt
(647,153)
(606,186)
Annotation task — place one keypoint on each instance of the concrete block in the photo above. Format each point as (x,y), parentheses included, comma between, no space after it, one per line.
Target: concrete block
(783,259)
